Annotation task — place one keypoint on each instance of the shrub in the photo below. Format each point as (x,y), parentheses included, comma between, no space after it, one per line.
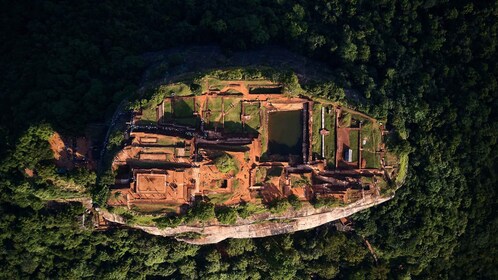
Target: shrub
(247,209)
(326,202)
(295,202)
(169,221)
(201,211)
(278,206)
(225,163)
(226,215)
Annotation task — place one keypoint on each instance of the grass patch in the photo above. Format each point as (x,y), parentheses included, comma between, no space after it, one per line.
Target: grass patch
(353,143)
(232,110)
(403,169)
(215,103)
(317,125)
(330,138)
(366,180)
(226,215)
(200,211)
(252,110)
(215,84)
(214,120)
(149,115)
(372,159)
(154,208)
(170,141)
(235,184)
(133,218)
(219,198)
(183,107)
(326,202)
(299,181)
(169,221)
(279,206)
(295,202)
(371,134)
(179,89)
(248,209)
(226,163)
(266,90)
(260,175)
(345,119)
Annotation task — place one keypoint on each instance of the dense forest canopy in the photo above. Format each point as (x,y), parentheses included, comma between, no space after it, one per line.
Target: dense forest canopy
(430,67)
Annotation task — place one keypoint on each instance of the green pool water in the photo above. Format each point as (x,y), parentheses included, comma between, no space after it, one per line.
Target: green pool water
(285,132)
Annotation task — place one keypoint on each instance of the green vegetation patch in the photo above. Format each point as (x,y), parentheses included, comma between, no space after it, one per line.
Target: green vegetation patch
(214,119)
(219,198)
(259,175)
(226,215)
(179,89)
(345,119)
(299,181)
(326,202)
(226,163)
(330,145)
(149,115)
(169,221)
(372,159)
(132,217)
(233,111)
(200,211)
(371,136)
(248,209)
(215,103)
(254,89)
(295,202)
(183,107)
(353,143)
(317,125)
(154,208)
(170,141)
(279,206)
(403,169)
(253,120)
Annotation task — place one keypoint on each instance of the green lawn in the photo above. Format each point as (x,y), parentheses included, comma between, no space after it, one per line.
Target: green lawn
(215,104)
(372,159)
(252,110)
(353,143)
(179,89)
(317,125)
(154,208)
(169,141)
(233,110)
(219,198)
(330,138)
(168,111)
(149,115)
(232,103)
(371,136)
(403,169)
(183,107)
(214,120)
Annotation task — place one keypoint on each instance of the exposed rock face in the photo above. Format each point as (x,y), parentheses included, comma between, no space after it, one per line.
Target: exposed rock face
(266,226)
